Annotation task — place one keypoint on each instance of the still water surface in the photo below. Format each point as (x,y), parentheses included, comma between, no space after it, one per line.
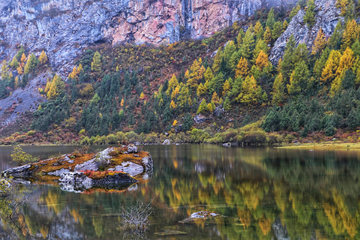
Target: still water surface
(262,194)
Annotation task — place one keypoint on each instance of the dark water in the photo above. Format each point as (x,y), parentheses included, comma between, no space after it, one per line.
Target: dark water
(264,194)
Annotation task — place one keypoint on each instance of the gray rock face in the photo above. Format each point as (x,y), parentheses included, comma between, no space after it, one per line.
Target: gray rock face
(200,118)
(63,28)
(280,231)
(327,16)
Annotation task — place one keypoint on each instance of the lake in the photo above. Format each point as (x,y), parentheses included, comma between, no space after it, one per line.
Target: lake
(259,193)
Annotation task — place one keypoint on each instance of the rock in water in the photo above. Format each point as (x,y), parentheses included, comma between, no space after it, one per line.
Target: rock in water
(59,172)
(18,171)
(75,182)
(227,145)
(91,165)
(166,142)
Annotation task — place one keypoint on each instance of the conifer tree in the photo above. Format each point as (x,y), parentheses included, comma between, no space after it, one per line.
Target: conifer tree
(298,79)
(279,90)
(215,98)
(270,19)
(5,71)
(30,64)
(14,63)
(96,63)
(258,30)
(196,74)
(319,42)
(320,63)
(226,88)
(203,108)
(356,48)
(267,36)
(173,83)
(287,65)
(227,104)
(335,39)
(260,46)
(250,91)
(285,25)
(247,46)
(277,30)
(309,17)
(229,50)
(301,53)
(20,53)
(294,11)
(43,58)
(331,66)
(239,38)
(350,34)
(217,60)
(173,105)
(242,69)
(54,87)
(262,61)
(23,58)
(346,61)
(234,60)
(201,90)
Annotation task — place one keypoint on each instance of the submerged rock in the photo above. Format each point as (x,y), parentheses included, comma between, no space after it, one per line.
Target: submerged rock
(204,215)
(227,145)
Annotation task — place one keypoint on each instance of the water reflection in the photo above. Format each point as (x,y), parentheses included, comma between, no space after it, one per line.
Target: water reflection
(262,194)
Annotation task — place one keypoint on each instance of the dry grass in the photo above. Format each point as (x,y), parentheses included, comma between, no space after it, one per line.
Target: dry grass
(325,146)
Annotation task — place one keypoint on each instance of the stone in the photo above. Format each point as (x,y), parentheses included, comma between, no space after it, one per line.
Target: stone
(199,118)
(227,145)
(132,149)
(135,155)
(166,142)
(326,17)
(70,161)
(58,172)
(88,165)
(17,171)
(200,215)
(131,168)
(218,111)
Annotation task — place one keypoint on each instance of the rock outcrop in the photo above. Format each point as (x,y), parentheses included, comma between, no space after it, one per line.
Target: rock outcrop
(327,16)
(63,28)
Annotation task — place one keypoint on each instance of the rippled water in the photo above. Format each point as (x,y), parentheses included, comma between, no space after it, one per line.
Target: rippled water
(261,194)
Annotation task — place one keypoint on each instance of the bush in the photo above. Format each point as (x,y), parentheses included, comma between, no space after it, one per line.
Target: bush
(255,137)
(20,157)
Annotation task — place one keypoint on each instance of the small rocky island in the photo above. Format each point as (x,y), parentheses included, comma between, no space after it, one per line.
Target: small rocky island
(115,168)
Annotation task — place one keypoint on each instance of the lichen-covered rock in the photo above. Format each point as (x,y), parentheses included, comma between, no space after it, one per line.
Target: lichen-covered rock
(166,142)
(129,167)
(327,16)
(65,27)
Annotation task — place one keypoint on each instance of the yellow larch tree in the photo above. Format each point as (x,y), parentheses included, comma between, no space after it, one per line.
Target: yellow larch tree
(319,42)
(122,102)
(196,73)
(267,36)
(250,91)
(242,69)
(331,66)
(23,58)
(262,61)
(54,87)
(43,58)
(346,61)
(226,88)
(173,105)
(350,34)
(201,90)
(173,83)
(217,60)
(215,98)
(142,96)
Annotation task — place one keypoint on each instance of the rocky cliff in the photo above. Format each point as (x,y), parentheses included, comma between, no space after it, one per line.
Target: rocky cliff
(64,27)
(327,16)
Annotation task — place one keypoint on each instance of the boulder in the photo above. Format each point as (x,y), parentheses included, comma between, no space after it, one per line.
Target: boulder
(227,145)
(18,171)
(129,167)
(166,142)
(207,215)
(199,118)
(132,149)
(218,111)
(88,165)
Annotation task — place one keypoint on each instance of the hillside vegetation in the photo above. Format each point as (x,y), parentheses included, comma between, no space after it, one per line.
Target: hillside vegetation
(147,94)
